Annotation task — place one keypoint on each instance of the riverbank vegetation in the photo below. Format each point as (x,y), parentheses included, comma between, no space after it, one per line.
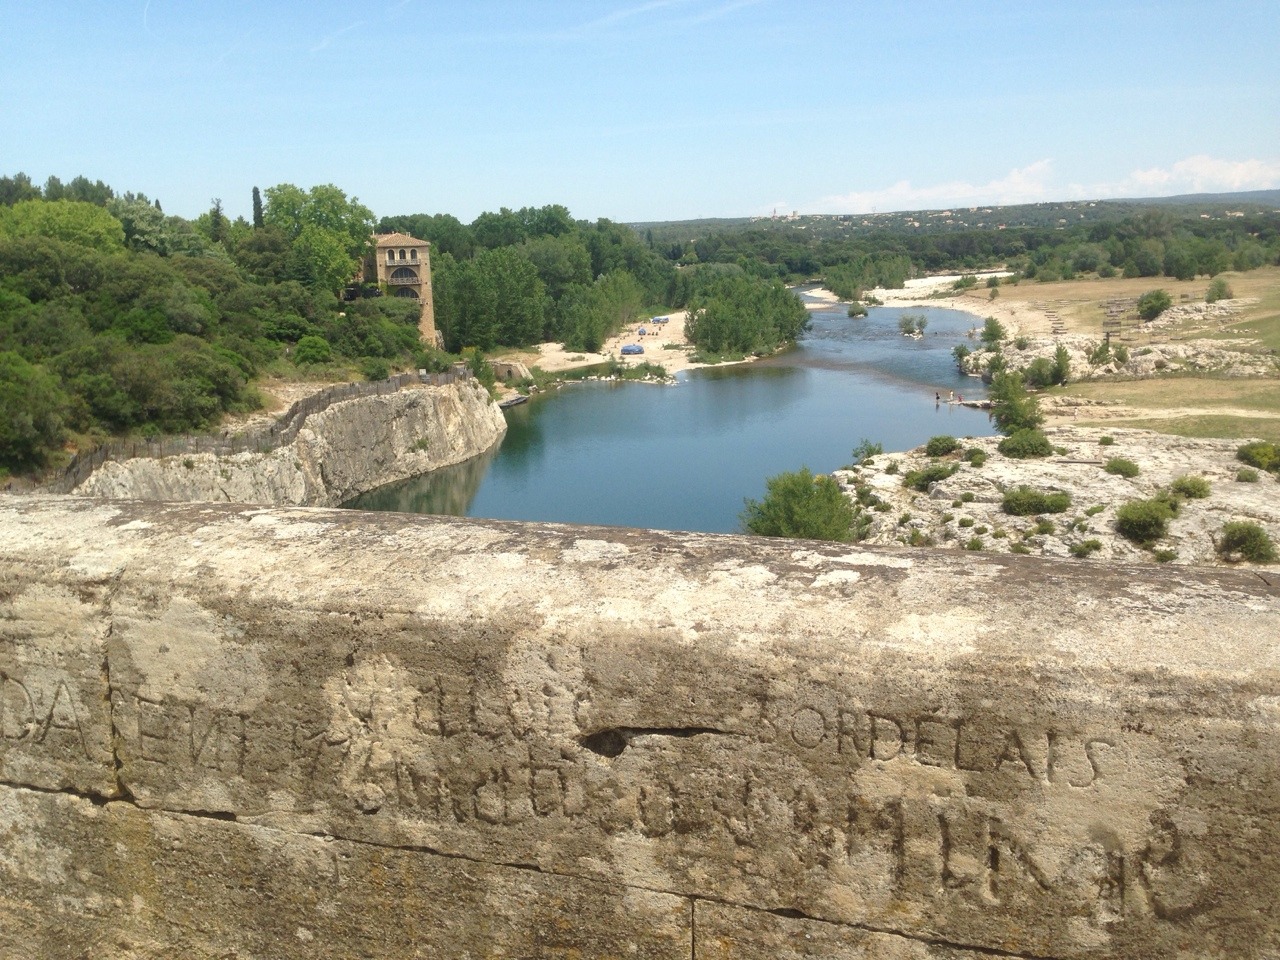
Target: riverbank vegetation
(116,317)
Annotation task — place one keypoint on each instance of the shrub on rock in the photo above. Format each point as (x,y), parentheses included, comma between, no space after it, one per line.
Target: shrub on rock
(1190,487)
(1260,454)
(925,477)
(1144,521)
(1025,444)
(941,446)
(1121,467)
(1246,540)
(1026,501)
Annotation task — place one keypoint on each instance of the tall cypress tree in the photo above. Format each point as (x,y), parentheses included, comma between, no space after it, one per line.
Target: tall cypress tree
(257,209)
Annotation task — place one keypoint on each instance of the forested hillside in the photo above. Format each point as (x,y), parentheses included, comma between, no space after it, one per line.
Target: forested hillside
(1040,241)
(117,318)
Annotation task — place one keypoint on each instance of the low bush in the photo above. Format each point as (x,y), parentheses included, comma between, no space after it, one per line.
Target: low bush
(967,497)
(976,456)
(941,446)
(1026,501)
(1246,540)
(1121,467)
(925,477)
(1144,521)
(1190,487)
(1085,547)
(1261,454)
(1025,444)
(1153,303)
(1165,556)
(1218,290)
(1096,509)
(1044,528)
(966,521)
(973,543)
(865,450)
(1246,475)
(312,350)
(1106,441)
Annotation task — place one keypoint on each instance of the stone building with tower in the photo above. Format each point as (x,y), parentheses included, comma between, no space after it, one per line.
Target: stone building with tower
(402,265)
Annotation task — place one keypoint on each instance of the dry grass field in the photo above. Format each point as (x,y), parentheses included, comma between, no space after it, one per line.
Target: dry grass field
(1181,404)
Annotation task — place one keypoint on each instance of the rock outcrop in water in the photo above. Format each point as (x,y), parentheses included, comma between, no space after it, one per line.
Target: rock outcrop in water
(345,450)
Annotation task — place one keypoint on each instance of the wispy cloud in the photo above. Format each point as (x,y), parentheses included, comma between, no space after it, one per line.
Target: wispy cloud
(1035,183)
(328,41)
(629,13)
(671,13)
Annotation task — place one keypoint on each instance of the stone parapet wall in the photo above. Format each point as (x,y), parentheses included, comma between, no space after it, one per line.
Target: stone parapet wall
(236,732)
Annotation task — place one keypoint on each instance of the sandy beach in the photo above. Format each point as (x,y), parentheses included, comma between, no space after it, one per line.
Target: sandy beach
(665,344)
(1017,316)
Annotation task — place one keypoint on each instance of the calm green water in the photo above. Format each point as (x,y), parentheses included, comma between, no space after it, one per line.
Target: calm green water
(685,457)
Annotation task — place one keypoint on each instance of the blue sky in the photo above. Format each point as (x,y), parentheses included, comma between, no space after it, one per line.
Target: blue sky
(644,109)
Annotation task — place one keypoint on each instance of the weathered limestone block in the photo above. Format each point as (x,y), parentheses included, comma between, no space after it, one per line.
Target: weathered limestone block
(55,714)
(116,881)
(957,752)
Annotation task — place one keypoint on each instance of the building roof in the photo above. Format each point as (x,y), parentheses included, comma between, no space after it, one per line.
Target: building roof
(398,240)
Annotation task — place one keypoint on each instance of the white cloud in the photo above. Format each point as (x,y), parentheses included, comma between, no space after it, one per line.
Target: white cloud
(1024,185)
(1198,174)
(1035,183)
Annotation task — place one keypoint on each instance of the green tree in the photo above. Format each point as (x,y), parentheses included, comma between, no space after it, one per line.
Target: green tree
(16,188)
(75,222)
(1012,407)
(218,226)
(323,227)
(33,407)
(992,332)
(801,505)
(1153,303)
(258,221)
(591,313)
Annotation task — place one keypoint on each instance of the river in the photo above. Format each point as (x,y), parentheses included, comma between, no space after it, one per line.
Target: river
(684,457)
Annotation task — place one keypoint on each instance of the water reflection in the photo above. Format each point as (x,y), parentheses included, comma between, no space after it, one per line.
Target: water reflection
(685,457)
(448,491)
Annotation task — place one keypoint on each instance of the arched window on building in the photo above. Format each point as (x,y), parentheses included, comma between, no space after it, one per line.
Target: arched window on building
(413,254)
(401,253)
(391,256)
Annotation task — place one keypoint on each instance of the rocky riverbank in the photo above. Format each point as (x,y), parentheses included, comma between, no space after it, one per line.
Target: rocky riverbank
(351,447)
(966,509)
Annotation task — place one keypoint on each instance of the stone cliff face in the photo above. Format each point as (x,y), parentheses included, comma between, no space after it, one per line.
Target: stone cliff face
(351,447)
